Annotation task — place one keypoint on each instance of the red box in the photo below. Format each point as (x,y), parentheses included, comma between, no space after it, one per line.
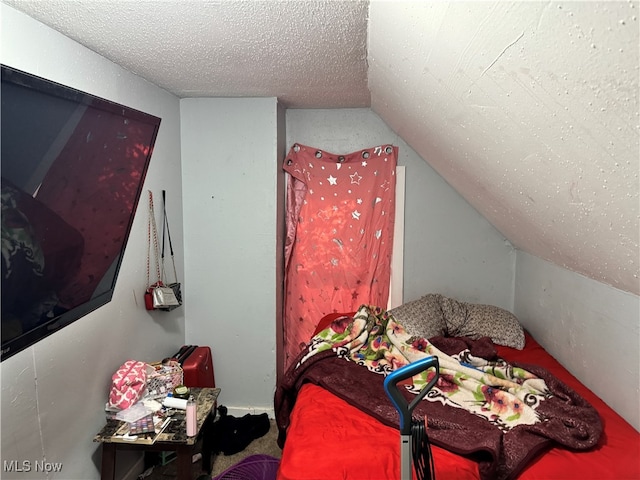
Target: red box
(197,366)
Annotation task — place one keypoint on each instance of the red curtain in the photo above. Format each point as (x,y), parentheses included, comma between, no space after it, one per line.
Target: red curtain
(340,216)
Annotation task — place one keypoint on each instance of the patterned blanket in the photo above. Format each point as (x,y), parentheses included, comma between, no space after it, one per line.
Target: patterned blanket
(502,415)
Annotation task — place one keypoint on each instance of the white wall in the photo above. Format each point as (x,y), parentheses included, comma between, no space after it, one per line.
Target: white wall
(53,394)
(591,328)
(448,247)
(230,168)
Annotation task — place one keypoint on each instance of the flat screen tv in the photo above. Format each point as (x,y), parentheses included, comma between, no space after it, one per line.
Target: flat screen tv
(73,168)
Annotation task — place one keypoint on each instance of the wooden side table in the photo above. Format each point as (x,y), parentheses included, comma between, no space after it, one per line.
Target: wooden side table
(172,438)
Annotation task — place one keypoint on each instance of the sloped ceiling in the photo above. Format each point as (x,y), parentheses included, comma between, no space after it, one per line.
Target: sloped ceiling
(528,109)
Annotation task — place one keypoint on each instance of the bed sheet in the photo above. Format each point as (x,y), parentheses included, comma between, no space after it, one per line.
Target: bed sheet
(352,445)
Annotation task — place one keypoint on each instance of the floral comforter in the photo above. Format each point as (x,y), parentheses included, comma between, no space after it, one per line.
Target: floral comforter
(501,414)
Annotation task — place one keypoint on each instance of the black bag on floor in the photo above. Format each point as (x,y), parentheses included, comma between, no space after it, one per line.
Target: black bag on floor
(231,435)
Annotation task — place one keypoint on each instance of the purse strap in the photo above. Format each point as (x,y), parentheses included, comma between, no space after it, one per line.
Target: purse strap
(165,225)
(152,233)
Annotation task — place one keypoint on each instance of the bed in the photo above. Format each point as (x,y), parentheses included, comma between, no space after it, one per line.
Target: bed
(328,431)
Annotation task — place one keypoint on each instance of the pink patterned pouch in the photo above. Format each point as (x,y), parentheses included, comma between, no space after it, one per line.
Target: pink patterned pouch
(128,384)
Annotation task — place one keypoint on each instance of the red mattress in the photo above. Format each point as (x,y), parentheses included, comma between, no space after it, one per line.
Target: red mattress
(353,445)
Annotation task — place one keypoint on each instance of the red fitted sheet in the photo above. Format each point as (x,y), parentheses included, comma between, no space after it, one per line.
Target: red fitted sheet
(352,445)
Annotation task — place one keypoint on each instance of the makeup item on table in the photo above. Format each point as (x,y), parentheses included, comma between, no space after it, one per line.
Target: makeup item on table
(178,403)
(181,391)
(143,425)
(191,421)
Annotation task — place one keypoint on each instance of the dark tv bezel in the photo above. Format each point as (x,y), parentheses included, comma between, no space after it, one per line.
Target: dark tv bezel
(49,87)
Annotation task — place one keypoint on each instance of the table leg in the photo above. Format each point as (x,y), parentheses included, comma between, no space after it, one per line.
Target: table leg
(184,462)
(108,469)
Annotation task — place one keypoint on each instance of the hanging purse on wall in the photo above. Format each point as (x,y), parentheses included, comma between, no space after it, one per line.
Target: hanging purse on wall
(157,296)
(175,286)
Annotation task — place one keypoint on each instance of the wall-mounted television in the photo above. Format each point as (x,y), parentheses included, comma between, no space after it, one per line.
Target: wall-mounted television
(73,168)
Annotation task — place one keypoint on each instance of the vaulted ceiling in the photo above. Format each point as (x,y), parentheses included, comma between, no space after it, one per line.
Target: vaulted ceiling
(528,109)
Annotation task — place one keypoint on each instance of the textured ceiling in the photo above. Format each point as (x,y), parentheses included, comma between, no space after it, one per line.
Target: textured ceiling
(528,109)
(309,54)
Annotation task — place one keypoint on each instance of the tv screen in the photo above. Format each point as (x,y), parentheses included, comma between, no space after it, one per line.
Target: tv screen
(73,167)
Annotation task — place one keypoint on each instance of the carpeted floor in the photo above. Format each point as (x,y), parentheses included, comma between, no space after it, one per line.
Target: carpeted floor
(265,445)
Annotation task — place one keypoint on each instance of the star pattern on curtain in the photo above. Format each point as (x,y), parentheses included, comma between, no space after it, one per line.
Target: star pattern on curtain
(339,234)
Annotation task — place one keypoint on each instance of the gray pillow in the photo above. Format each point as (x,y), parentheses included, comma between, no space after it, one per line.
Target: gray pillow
(435,314)
(476,320)
(422,317)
